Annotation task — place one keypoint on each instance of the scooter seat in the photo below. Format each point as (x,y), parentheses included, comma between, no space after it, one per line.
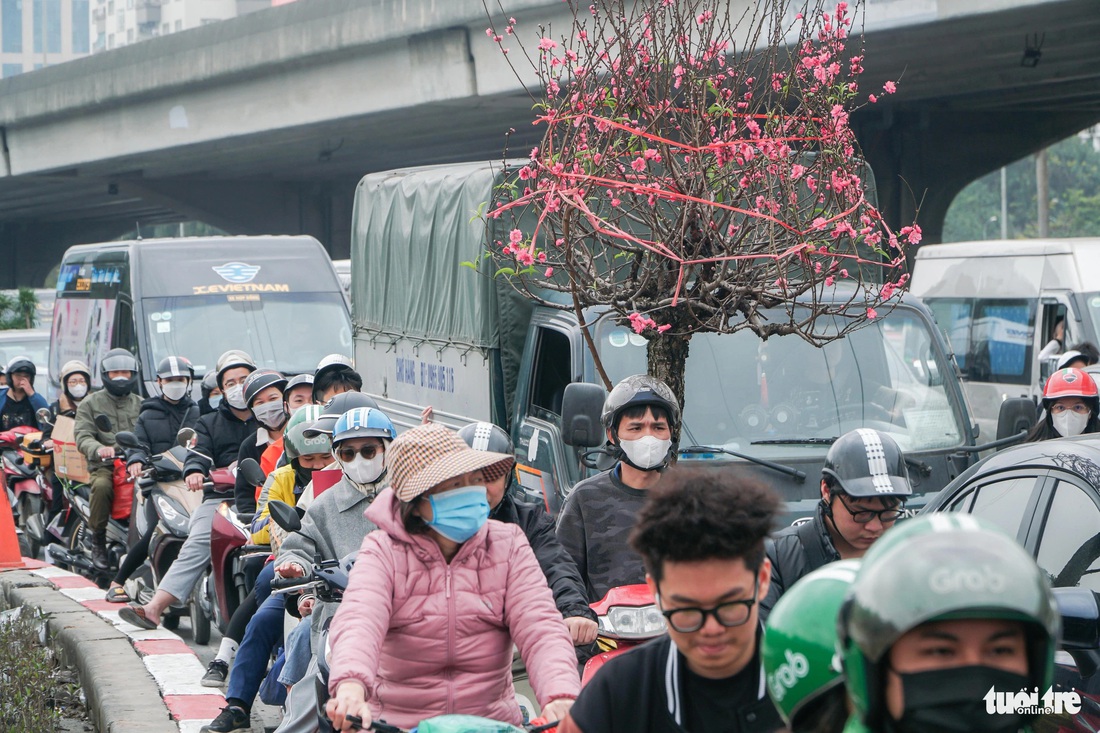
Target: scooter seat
(84,491)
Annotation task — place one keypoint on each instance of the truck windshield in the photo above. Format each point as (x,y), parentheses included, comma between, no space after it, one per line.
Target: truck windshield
(290,332)
(786,397)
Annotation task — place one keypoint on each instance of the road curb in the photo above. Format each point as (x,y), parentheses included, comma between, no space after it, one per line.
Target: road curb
(136,681)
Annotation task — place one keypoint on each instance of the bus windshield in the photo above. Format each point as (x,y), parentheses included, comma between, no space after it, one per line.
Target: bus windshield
(784,396)
(290,332)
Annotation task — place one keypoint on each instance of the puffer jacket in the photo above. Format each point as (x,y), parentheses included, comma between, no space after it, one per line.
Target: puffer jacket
(428,638)
(157,425)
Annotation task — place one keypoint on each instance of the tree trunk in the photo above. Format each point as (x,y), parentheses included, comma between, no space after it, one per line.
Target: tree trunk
(667,360)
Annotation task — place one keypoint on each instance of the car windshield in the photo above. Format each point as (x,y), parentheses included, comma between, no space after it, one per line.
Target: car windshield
(290,332)
(785,397)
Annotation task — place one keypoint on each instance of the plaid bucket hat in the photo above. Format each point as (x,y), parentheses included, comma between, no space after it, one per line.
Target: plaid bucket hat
(428,455)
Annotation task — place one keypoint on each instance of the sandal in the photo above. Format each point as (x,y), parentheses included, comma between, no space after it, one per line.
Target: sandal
(118,594)
(135,616)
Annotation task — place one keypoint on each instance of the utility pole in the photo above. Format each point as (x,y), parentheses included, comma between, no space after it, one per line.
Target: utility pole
(1004,202)
(1042,192)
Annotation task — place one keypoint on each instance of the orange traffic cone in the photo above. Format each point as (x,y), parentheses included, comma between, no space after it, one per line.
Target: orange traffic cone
(9,542)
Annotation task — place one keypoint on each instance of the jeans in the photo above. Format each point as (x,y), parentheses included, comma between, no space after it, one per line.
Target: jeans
(261,637)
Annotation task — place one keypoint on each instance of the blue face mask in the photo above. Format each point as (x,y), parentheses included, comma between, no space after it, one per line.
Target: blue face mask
(215,401)
(458,514)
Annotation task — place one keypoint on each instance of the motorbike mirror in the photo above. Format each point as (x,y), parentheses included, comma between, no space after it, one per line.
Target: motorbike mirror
(128,440)
(582,405)
(251,471)
(104,423)
(1080,618)
(186,438)
(284,515)
(43,415)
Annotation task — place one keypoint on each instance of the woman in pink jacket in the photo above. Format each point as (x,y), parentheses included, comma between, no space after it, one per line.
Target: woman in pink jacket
(439,594)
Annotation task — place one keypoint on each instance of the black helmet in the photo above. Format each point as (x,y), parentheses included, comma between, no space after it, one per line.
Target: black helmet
(260,380)
(232,359)
(641,389)
(119,360)
(866,462)
(22,364)
(209,384)
(336,407)
(486,436)
(175,366)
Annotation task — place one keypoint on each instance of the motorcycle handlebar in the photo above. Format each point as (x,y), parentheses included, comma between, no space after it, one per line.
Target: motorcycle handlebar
(288,583)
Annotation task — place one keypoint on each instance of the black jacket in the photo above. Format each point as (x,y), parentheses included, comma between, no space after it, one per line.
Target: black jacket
(561,572)
(795,552)
(245,495)
(220,435)
(157,425)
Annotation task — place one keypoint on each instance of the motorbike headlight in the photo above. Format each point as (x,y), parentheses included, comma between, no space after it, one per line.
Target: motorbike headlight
(633,622)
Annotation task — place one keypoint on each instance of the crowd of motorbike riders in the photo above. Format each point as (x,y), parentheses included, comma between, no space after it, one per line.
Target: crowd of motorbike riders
(843,622)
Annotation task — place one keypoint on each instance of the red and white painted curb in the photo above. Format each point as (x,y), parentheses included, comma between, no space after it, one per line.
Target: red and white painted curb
(172,663)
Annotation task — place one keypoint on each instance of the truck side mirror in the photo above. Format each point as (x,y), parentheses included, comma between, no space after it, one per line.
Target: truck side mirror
(1017,413)
(1047,367)
(582,406)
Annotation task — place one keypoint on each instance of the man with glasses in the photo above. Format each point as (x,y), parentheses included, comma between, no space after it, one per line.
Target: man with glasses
(863,488)
(701,536)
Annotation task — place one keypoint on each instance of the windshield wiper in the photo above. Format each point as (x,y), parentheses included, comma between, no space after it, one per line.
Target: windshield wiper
(796,441)
(794,473)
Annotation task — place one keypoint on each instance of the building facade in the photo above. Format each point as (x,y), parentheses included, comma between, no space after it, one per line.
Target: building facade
(117,23)
(37,33)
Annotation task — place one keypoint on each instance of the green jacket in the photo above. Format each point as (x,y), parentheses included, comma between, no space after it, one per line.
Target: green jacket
(123,412)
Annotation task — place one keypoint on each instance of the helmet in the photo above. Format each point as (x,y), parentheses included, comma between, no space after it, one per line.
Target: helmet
(75,366)
(299,380)
(1063,383)
(231,359)
(487,436)
(1068,357)
(363,422)
(333,363)
(641,389)
(22,364)
(209,384)
(119,360)
(175,366)
(799,650)
(260,380)
(336,407)
(296,444)
(941,567)
(865,462)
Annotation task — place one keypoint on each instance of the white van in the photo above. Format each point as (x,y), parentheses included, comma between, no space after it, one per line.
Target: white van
(998,303)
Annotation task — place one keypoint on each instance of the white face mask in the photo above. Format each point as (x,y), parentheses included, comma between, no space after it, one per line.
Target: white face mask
(646,453)
(235,396)
(1069,423)
(174,390)
(270,414)
(78,391)
(362,471)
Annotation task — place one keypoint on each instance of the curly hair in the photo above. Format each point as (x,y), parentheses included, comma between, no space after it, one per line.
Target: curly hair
(698,514)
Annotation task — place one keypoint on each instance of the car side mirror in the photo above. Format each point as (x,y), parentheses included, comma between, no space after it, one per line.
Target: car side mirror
(128,440)
(104,424)
(581,409)
(1017,414)
(186,438)
(284,515)
(251,472)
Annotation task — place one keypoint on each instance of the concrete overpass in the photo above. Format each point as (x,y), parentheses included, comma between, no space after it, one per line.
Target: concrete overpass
(264,124)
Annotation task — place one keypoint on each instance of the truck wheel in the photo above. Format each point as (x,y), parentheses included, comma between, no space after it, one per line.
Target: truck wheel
(200,622)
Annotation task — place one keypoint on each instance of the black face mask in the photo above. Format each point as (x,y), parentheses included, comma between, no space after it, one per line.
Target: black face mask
(302,477)
(953,700)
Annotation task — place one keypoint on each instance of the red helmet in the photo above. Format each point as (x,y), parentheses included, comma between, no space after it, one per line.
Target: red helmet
(1069,383)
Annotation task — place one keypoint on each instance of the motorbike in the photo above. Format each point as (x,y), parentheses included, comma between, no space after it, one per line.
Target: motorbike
(234,561)
(29,494)
(628,616)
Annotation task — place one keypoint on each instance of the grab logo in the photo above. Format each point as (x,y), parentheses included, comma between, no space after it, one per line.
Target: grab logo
(972,580)
(788,674)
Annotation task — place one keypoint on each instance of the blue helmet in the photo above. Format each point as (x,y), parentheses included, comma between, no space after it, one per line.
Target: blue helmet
(363,422)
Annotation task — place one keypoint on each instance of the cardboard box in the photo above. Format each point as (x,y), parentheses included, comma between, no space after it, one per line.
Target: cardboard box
(68,462)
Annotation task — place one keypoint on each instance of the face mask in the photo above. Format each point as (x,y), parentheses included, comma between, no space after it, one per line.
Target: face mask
(361,471)
(950,700)
(458,514)
(214,401)
(646,453)
(270,414)
(302,477)
(118,386)
(235,397)
(1069,423)
(174,390)
(78,391)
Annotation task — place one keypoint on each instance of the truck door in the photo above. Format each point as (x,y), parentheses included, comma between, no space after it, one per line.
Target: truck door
(545,469)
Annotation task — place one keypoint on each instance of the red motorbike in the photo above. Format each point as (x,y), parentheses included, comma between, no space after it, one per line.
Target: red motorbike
(628,616)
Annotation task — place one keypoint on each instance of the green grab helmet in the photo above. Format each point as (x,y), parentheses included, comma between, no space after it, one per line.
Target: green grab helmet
(799,650)
(296,444)
(940,567)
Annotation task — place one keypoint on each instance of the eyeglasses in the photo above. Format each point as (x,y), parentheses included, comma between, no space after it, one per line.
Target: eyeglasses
(863,516)
(347,454)
(1080,408)
(728,614)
